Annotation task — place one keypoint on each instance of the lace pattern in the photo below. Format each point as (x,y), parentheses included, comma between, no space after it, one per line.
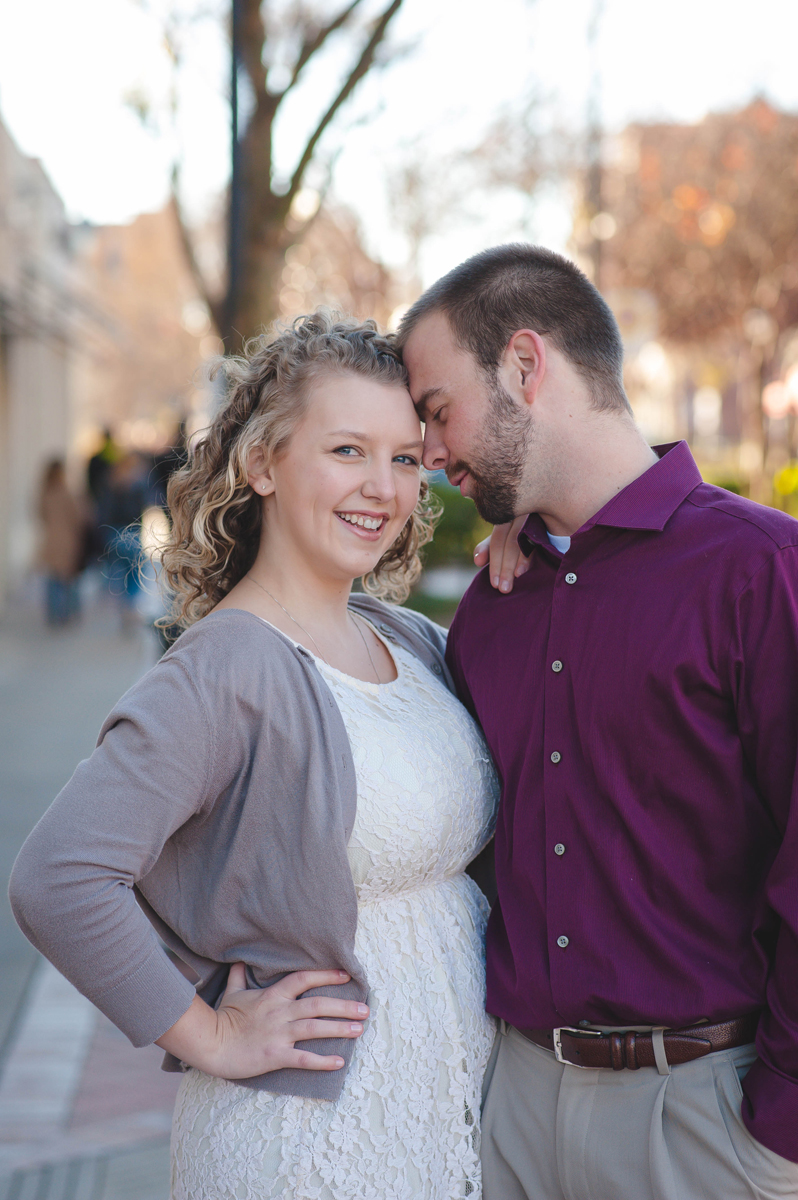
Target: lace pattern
(406,1124)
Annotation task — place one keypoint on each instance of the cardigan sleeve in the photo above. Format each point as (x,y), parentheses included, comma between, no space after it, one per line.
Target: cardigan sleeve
(71,888)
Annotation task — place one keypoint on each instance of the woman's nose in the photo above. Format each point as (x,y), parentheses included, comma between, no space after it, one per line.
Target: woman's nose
(380,482)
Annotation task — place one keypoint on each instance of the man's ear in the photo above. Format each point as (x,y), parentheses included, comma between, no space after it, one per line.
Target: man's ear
(525,364)
(259,472)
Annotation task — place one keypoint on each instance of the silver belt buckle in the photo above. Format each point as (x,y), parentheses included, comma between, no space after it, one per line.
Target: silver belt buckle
(558,1054)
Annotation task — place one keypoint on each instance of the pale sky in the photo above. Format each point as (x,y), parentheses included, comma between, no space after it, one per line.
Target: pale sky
(66,67)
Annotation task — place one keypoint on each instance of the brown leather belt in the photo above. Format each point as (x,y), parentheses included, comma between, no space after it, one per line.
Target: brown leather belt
(629,1051)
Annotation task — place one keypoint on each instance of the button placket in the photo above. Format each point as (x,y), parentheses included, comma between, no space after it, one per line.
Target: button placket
(558,781)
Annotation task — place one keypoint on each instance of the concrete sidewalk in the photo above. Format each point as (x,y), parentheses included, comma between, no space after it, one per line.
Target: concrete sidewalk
(83,1116)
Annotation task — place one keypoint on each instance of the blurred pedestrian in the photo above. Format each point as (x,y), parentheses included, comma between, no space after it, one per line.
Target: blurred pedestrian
(164,464)
(61,555)
(120,506)
(101,464)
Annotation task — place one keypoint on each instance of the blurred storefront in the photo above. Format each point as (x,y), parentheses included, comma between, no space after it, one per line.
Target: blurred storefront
(36,315)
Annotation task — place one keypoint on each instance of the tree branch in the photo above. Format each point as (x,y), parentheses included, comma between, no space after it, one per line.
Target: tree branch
(214,305)
(312,44)
(361,68)
(253,37)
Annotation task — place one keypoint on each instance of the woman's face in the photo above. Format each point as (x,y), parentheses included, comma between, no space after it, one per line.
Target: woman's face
(342,490)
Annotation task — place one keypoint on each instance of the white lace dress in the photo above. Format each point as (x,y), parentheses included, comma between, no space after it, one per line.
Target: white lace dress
(406,1124)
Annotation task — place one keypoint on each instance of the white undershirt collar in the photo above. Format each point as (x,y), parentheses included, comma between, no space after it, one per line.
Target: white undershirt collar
(563,544)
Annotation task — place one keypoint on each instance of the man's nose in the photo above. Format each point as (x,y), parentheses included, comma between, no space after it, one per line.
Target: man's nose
(435,456)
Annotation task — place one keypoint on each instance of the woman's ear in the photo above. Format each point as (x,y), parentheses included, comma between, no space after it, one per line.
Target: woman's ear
(258,473)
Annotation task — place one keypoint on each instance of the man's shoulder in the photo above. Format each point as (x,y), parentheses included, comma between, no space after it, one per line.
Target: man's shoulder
(479,604)
(762,528)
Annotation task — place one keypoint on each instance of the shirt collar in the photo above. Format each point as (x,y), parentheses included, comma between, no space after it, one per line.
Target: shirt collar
(648,502)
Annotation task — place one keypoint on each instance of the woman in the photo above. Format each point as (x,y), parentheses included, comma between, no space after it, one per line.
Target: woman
(293,788)
(63,543)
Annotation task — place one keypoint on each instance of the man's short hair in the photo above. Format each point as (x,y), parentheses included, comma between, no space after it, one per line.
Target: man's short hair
(490,296)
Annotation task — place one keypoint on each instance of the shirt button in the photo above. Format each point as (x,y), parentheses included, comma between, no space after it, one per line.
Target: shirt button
(556,666)
(559,848)
(555,756)
(562,941)
(570,577)
(436,667)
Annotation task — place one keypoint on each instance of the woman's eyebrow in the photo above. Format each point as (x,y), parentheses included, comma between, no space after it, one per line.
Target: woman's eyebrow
(364,437)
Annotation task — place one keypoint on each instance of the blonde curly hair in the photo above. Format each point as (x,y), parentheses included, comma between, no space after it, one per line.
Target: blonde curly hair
(216,517)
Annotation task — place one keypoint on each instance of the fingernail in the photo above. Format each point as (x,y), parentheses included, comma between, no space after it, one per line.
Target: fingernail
(339,1062)
(505,586)
(495,580)
(361,1008)
(343,974)
(353,1028)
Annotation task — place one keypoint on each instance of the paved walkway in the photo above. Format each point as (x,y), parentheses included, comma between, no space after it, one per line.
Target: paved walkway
(83,1116)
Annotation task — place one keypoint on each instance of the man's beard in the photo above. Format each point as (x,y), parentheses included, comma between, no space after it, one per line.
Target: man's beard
(497,473)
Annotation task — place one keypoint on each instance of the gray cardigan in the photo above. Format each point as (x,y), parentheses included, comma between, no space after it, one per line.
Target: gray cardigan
(220,797)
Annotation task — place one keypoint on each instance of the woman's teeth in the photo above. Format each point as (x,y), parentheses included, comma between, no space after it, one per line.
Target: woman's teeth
(363,522)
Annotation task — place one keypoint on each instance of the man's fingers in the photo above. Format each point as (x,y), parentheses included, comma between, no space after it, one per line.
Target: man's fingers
(299,982)
(303,1031)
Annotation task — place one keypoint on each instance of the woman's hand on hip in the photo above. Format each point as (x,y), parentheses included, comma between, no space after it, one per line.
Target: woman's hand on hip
(254,1029)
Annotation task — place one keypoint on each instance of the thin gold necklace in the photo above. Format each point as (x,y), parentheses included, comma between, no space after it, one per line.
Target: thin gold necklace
(307,632)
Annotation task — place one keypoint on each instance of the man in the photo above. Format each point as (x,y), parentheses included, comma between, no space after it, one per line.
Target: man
(639,692)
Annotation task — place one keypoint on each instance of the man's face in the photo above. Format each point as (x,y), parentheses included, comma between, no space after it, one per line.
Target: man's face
(474,430)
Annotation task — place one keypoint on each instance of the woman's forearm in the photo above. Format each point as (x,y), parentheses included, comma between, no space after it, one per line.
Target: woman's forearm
(194,1039)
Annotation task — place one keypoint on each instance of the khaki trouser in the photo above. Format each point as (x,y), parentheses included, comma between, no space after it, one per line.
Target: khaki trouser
(556,1132)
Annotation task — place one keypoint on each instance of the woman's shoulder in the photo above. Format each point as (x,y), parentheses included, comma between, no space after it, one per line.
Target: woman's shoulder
(410,626)
(233,644)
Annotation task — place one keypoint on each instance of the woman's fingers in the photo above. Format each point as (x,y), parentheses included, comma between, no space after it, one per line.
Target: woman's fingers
(303,1031)
(299,982)
(257,1028)
(307,1061)
(236,979)
(482,552)
(506,560)
(329,1006)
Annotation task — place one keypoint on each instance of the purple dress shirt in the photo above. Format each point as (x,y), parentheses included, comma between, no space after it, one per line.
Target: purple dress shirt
(640,698)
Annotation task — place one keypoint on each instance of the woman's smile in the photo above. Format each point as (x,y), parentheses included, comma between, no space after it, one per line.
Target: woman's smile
(367,525)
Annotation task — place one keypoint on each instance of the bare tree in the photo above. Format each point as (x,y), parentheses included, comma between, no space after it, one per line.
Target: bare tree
(274,49)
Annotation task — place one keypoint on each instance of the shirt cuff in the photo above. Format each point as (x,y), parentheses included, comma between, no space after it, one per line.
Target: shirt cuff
(770,1109)
(148,1002)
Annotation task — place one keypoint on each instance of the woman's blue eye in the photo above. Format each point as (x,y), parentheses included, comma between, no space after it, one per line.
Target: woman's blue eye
(407,459)
(347,450)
